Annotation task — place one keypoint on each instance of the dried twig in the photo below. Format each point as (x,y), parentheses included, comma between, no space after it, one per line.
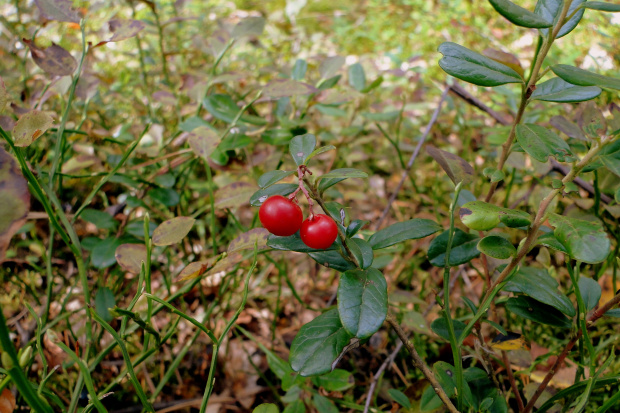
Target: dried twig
(413,157)
(387,362)
(513,383)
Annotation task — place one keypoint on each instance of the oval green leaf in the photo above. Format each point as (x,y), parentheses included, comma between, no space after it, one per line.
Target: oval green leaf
(541,143)
(457,168)
(585,241)
(261,195)
(582,77)
(463,248)
(482,216)
(318,344)
(551,9)
(518,15)
(362,301)
(559,90)
(475,68)
(531,309)
(30,127)
(301,147)
(413,229)
(590,292)
(496,246)
(172,231)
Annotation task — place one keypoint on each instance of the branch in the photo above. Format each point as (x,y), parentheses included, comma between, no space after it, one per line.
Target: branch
(388,362)
(413,157)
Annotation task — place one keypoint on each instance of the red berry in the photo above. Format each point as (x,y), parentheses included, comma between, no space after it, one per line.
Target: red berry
(280,216)
(319,232)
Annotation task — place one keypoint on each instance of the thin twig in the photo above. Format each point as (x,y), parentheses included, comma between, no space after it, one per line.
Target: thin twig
(513,383)
(413,157)
(387,362)
(419,363)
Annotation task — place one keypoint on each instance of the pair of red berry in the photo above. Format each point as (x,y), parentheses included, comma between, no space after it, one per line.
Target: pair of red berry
(281,216)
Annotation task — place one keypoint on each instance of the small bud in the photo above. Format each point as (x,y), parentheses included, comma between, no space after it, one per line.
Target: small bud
(25,356)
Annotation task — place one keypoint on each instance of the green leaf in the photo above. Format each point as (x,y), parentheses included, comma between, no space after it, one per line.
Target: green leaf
(430,401)
(590,292)
(551,9)
(261,195)
(610,157)
(518,15)
(355,226)
(538,284)
(567,127)
(582,77)
(613,313)
(362,251)
(101,219)
(558,90)
(400,398)
(103,255)
(463,248)
(318,344)
(541,143)
(104,300)
(362,301)
(357,77)
(603,6)
(323,404)
(549,240)
(330,66)
(328,83)
(381,117)
(337,380)
(172,231)
(266,408)
(475,68)
(319,151)
(301,147)
(401,231)
(457,168)
(496,246)
(233,195)
(344,173)
(332,259)
(584,241)
(440,327)
(297,406)
(292,243)
(224,108)
(166,196)
(299,69)
(482,216)
(593,121)
(328,183)
(30,127)
(531,309)
(270,178)
(445,374)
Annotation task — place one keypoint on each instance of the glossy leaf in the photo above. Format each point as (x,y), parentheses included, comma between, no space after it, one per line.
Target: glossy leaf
(602,6)
(475,68)
(261,195)
(456,167)
(301,147)
(401,231)
(203,141)
(54,60)
(549,240)
(59,10)
(582,77)
(541,143)
(482,216)
(14,200)
(319,151)
(172,231)
(362,251)
(280,88)
(496,246)
(584,241)
(318,344)
(272,177)
(551,10)
(344,173)
(559,90)
(292,243)
(233,195)
(518,15)
(332,259)
(463,248)
(590,292)
(130,257)
(362,301)
(531,309)
(30,127)
(538,284)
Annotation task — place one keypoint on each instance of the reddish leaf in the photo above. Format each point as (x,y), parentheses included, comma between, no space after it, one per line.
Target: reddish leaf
(7,401)
(30,127)
(14,200)
(54,60)
(124,29)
